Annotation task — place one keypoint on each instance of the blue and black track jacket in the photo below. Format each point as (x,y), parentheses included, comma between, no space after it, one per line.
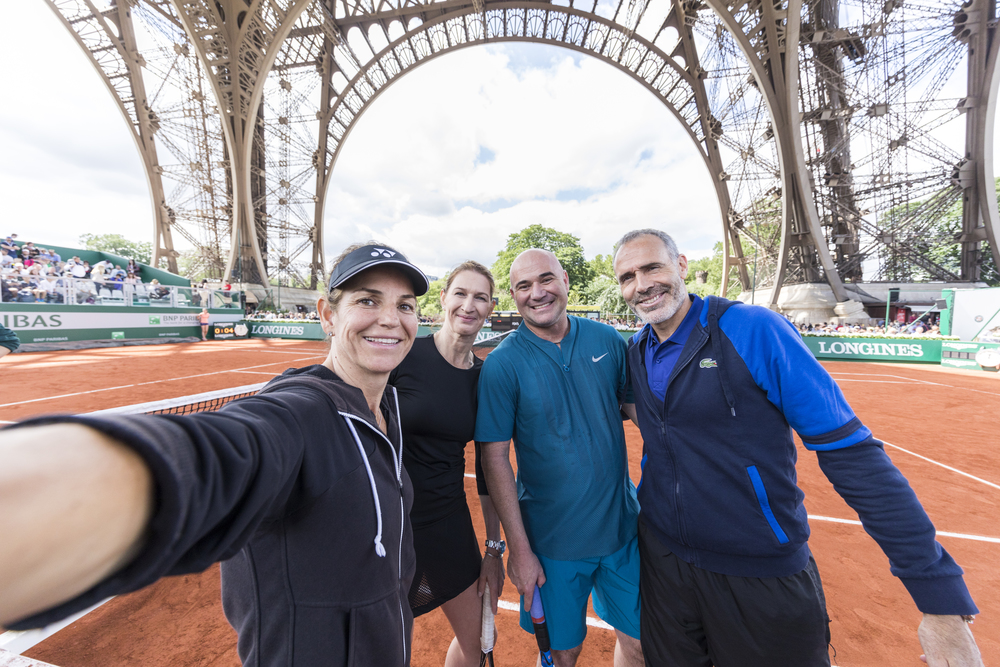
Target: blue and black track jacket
(718,482)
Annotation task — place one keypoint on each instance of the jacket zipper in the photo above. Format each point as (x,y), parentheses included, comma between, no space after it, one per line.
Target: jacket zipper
(678,513)
(398,464)
(402,518)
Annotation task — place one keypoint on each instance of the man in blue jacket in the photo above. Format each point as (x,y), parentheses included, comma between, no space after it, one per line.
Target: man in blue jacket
(727,578)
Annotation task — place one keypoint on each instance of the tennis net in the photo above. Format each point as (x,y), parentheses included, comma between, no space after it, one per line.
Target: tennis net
(184,405)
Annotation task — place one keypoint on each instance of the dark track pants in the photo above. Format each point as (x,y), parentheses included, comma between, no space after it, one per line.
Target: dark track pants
(695,618)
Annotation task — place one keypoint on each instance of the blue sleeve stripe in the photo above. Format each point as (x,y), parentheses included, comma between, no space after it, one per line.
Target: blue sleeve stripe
(832,436)
(862,434)
(765,506)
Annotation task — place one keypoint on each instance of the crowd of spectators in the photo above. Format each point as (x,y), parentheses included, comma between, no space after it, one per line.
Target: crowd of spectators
(621,322)
(32,274)
(919,326)
(271,315)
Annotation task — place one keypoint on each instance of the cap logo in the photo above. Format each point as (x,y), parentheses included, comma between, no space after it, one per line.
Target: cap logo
(382,251)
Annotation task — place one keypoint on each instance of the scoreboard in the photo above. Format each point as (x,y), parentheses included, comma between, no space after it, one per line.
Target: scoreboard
(224,330)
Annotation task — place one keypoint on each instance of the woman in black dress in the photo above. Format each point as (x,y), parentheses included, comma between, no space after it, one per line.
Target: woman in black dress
(436,384)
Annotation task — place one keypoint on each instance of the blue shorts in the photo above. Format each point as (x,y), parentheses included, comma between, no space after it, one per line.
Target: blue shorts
(614,580)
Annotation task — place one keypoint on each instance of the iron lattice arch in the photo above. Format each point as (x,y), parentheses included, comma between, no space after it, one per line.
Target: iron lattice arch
(828,126)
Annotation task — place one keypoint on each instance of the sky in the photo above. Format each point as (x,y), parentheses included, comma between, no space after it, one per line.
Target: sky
(450,160)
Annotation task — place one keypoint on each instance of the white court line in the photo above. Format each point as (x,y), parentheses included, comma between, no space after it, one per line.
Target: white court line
(592,622)
(886,375)
(935,384)
(871,381)
(139,384)
(254,373)
(962,536)
(17,642)
(279,351)
(946,467)
(201,375)
(78,393)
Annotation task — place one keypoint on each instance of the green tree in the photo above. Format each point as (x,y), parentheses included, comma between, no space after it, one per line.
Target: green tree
(712,266)
(429,304)
(604,292)
(602,265)
(566,248)
(116,244)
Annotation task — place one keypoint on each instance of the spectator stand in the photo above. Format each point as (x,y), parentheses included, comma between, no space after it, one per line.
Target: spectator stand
(87,295)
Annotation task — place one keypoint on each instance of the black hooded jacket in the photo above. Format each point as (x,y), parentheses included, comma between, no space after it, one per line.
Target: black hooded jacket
(305,501)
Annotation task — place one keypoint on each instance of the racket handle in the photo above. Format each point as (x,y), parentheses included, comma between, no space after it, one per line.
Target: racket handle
(538,620)
(486,638)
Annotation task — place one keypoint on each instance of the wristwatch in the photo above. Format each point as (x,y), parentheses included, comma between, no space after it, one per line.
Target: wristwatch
(499,545)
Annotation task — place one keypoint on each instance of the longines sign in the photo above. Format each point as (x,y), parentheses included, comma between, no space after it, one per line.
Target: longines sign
(874,349)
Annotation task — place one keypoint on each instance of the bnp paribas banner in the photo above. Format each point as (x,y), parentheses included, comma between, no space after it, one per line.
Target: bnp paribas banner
(57,326)
(875,349)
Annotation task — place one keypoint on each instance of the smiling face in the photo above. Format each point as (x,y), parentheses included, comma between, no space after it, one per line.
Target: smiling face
(540,289)
(467,303)
(373,325)
(652,282)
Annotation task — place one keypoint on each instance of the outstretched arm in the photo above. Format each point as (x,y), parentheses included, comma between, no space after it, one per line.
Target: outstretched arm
(77,503)
(525,570)
(890,512)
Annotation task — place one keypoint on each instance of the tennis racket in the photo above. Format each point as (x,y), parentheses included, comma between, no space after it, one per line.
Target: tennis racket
(486,638)
(541,629)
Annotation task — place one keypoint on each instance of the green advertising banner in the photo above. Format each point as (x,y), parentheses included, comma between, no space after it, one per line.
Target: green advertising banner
(973,356)
(38,323)
(302,330)
(909,350)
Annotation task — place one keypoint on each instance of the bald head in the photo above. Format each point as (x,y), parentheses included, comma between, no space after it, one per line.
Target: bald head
(540,288)
(534,257)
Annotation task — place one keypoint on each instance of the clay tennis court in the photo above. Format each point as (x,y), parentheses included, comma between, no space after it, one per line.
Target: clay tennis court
(940,427)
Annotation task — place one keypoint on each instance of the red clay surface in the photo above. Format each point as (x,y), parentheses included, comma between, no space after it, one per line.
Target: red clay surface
(947,416)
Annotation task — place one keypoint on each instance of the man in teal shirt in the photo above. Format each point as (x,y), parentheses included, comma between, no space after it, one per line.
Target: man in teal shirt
(557,387)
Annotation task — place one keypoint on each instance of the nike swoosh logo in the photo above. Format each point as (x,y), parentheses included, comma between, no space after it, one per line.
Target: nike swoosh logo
(596,359)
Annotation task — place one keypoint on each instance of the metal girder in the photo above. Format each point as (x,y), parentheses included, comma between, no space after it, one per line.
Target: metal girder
(115,56)
(732,248)
(762,31)
(238,41)
(980,220)
(809,128)
(536,22)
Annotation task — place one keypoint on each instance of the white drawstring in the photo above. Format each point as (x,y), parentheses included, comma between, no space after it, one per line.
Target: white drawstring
(379,549)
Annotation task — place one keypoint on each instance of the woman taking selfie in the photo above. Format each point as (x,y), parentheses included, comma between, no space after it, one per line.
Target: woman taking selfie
(299,490)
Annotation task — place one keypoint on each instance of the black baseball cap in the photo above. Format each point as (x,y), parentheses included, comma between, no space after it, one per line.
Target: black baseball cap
(370,256)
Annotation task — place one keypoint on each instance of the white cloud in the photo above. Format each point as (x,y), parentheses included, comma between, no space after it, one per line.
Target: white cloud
(67,162)
(576,144)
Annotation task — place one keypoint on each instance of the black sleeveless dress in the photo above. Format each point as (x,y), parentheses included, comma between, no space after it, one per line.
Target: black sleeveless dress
(437,404)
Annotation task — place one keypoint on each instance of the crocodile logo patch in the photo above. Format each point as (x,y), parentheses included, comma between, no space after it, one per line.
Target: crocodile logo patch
(708,363)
